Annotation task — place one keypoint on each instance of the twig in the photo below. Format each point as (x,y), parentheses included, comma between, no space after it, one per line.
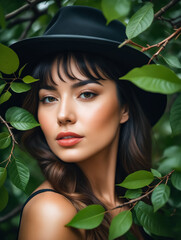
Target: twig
(19,20)
(146,194)
(25,32)
(22,9)
(161,45)
(11,214)
(165,8)
(177,32)
(167,20)
(9,129)
(158,52)
(128,41)
(13,140)
(37,14)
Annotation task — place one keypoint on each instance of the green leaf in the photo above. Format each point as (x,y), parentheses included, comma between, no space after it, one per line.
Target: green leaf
(154,78)
(21,69)
(1,76)
(175,116)
(133,193)
(29,79)
(3,198)
(174,200)
(156,173)
(5,140)
(115,9)
(172,151)
(5,97)
(140,21)
(176,180)
(2,85)
(120,224)
(172,61)
(2,18)
(88,218)
(3,175)
(20,87)
(137,180)
(155,223)
(172,160)
(9,61)
(19,173)
(20,119)
(160,196)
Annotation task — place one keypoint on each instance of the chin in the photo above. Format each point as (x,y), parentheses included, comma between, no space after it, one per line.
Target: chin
(71,156)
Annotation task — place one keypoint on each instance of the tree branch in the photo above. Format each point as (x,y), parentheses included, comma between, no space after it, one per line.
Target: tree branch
(13,140)
(165,8)
(11,214)
(175,22)
(22,9)
(166,177)
(19,21)
(37,14)
(25,32)
(158,52)
(161,45)
(175,34)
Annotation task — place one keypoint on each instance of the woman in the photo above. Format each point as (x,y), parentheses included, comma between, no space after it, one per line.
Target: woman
(95,129)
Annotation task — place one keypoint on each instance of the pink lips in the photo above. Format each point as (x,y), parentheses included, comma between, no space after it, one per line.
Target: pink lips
(68,139)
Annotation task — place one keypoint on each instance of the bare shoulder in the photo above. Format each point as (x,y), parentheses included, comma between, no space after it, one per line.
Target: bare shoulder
(45,217)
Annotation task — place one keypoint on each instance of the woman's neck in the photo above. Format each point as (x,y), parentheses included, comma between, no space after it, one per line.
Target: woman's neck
(100,171)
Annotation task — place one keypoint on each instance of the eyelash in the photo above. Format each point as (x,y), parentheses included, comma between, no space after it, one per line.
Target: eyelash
(83,93)
(45,98)
(88,92)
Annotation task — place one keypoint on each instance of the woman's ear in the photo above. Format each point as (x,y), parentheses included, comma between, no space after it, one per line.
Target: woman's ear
(124,114)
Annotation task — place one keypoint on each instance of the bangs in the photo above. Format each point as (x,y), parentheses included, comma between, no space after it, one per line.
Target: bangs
(93,67)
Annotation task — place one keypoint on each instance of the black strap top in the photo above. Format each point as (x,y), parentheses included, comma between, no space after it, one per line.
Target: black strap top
(36,193)
(29,198)
(51,190)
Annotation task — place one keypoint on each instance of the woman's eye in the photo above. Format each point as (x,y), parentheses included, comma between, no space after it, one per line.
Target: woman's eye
(87,95)
(48,99)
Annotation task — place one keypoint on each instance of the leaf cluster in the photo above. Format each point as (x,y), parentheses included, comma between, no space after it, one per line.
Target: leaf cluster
(15,117)
(150,216)
(149,29)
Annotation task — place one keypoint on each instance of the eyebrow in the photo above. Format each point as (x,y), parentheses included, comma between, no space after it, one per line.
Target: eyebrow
(85,82)
(75,85)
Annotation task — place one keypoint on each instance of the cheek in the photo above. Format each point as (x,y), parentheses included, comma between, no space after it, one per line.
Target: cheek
(45,121)
(106,114)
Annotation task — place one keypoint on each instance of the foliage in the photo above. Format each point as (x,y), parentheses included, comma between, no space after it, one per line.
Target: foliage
(143,20)
(88,218)
(148,216)
(140,21)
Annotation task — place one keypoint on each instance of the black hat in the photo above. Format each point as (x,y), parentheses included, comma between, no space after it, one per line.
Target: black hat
(80,28)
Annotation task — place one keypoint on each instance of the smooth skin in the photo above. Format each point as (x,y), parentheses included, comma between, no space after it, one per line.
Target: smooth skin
(92,110)
(45,217)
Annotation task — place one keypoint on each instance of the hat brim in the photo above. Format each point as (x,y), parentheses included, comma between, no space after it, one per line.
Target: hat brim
(32,49)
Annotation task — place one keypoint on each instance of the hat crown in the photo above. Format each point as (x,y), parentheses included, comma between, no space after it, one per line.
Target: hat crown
(85,29)
(86,22)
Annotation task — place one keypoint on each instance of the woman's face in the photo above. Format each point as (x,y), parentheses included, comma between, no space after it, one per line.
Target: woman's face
(80,118)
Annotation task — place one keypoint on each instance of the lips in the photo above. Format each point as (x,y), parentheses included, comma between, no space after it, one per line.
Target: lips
(68,139)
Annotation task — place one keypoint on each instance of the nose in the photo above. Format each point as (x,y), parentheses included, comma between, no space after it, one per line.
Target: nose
(66,112)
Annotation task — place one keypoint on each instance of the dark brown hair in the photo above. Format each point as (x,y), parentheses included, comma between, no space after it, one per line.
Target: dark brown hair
(134,151)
